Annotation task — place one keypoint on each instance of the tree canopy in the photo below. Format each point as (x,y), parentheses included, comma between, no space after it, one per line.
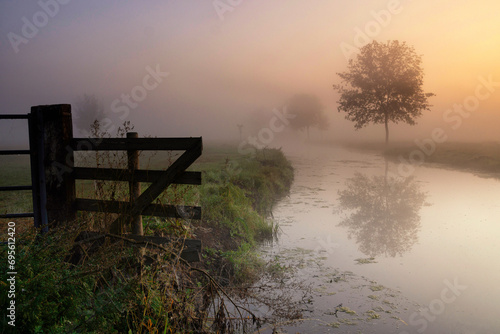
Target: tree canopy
(308,112)
(383,84)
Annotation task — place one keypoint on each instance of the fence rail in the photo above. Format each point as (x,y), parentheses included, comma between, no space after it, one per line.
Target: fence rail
(16,188)
(14,116)
(33,178)
(18,215)
(51,148)
(53,174)
(158,210)
(137,144)
(14,152)
(149,176)
(140,203)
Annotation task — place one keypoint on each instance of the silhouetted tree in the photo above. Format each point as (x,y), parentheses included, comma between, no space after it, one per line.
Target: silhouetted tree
(88,109)
(384,213)
(383,83)
(308,112)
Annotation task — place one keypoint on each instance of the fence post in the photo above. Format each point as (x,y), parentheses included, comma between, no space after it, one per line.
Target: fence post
(134,187)
(53,130)
(39,195)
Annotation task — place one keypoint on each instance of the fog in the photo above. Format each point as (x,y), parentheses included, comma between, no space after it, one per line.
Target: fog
(234,62)
(229,70)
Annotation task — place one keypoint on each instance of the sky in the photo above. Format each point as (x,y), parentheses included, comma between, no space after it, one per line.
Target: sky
(200,67)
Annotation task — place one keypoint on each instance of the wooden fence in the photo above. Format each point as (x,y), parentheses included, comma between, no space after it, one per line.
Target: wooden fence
(52,149)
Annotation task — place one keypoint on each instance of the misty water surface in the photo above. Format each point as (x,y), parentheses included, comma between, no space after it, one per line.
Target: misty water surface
(432,236)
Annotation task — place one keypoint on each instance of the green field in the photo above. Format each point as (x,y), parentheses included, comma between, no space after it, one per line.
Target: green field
(15,171)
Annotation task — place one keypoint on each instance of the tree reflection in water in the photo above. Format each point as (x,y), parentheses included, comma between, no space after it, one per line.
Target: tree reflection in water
(383,213)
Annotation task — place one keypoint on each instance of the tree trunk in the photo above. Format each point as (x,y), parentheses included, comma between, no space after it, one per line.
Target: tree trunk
(386,130)
(386,185)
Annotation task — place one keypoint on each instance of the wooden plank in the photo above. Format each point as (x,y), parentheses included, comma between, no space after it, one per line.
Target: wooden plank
(134,185)
(190,252)
(14,116)
(155,189)
(18,215)
(188,243)
(140,144)
(190,255)
(111,174)
(158,210)
(15,188)
(14,152)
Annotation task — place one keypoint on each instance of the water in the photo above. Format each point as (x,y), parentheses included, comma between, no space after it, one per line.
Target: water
(433,239)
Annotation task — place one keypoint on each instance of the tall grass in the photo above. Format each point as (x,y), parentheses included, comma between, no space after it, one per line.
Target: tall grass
(111,291)
(110,287)
(242,198)
(239,195)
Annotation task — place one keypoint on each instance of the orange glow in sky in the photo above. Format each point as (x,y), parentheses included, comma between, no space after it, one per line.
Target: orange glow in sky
(225,64)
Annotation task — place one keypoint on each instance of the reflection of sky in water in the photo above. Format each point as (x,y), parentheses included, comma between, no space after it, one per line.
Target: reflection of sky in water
(456,236)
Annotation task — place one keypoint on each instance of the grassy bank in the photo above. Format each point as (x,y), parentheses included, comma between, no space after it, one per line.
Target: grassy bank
(237,198)
(109,288)
(479,158)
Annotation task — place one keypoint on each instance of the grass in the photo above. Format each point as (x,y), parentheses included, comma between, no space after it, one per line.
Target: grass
(15,171)
(237,196)
(111,290)
(478,157)
(481,158)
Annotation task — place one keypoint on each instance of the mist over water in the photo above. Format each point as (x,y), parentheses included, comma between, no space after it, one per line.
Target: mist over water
(425,244)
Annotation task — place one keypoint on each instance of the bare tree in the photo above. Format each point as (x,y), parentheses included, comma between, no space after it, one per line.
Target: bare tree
(383,83)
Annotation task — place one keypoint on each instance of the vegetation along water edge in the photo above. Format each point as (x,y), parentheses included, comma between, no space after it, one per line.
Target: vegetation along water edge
(117,285)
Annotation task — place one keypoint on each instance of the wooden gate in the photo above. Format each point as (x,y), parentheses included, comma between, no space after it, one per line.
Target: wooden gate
(141,204)
(52,148)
